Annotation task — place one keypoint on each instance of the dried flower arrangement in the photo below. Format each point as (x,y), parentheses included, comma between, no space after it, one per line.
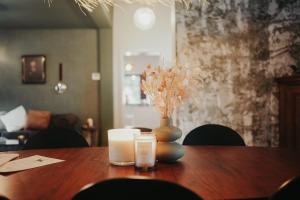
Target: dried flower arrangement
(166,87)
(90,5)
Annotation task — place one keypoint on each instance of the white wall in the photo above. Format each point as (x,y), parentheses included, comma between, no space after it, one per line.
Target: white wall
(127,38)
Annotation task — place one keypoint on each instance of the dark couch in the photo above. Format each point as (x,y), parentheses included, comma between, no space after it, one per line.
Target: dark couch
(66,121)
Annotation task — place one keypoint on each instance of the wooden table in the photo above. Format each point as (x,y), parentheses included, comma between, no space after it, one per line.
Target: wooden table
(212,172)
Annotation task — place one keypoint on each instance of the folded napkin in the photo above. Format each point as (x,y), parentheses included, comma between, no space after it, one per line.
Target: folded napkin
(27,163)
(6,157)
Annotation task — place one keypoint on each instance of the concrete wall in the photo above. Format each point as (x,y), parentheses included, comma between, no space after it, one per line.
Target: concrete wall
(237,48)
(75,48)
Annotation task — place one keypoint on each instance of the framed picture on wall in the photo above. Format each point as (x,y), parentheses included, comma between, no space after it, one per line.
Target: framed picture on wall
(34,69)
(132,91)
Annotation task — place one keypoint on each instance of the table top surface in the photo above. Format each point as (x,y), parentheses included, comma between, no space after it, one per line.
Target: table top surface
(211,172)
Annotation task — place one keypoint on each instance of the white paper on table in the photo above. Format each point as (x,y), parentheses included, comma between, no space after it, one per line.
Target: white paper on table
(5,157)
(28,163)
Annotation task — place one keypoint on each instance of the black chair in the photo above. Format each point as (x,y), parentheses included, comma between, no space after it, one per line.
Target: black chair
(143,129)
(55,138)
(3,197)
(136,189)
(288,190)
(213,134)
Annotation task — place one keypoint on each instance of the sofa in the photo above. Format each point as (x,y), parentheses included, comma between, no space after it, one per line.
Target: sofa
(66,121)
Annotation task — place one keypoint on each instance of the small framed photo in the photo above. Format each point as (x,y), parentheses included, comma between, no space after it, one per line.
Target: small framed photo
(34,69)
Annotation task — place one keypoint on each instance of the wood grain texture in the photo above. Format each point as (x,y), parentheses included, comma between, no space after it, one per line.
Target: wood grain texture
(212,172)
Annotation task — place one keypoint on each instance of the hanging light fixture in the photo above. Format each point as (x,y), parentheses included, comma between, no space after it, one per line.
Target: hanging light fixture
(144,18)
(60,87)
(90,5)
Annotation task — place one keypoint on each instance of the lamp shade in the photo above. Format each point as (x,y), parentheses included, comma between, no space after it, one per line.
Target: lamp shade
(144,18)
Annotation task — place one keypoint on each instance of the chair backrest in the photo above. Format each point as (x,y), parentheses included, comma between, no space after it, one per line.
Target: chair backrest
(3,197)
(288,190)
(213,134)
(143,129)
(136,189)
(65,121)
(55,138)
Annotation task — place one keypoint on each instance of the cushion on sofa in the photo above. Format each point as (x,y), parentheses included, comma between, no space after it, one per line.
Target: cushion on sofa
(15,119)
(65,121)
(16,134)
(38,120)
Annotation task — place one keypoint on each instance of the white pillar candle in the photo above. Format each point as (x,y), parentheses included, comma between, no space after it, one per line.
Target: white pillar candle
(145,150)
(121,146)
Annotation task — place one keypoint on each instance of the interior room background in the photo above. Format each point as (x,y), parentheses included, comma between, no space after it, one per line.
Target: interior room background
(238,47)
(76,49)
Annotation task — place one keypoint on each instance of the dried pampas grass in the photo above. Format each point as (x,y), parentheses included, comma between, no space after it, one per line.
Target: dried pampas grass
(166,87)
(90,5)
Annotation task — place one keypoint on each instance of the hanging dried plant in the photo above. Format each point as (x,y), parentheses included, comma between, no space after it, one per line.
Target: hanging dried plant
(90,5)
(166,87)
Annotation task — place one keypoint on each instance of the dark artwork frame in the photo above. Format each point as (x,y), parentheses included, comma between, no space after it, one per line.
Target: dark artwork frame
(33,69)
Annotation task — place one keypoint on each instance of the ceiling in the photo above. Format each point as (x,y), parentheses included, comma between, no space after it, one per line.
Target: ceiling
(61,14)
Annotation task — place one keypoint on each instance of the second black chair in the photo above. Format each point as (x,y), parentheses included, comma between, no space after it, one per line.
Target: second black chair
(136,189)
(143,129)
(55,138)
(288,190)
(213,134)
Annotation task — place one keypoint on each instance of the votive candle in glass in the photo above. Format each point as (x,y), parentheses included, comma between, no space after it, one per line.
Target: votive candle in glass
(145,150)
(121,146)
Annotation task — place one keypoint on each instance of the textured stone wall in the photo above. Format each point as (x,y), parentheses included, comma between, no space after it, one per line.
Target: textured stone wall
(238,47)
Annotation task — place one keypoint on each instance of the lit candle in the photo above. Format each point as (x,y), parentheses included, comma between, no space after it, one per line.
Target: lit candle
(145,150)
(121,146)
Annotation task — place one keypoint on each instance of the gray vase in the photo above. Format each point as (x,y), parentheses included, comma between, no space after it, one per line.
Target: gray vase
(167,149)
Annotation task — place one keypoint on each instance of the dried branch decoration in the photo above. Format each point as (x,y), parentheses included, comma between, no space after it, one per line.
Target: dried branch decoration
(90,5)
(166,88)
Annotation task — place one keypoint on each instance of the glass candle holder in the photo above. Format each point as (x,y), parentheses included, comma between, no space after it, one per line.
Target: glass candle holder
(121,146)
(145,150)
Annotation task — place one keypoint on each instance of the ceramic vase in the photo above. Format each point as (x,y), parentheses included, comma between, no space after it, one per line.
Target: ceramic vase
(167,149)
